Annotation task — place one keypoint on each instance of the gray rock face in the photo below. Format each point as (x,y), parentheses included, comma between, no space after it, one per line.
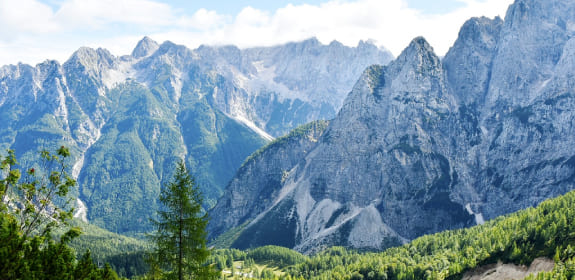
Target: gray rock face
(422,145)
(261,176)
(528,130)
(145,47)
(468,63)
(289,85)
(128,119)
(124,132)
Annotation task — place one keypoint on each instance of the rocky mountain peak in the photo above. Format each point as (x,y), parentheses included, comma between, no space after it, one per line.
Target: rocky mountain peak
(304,47)
(415,76)
(91,60)
(145,47)
(14,71)
(87,56)
(533,38)
(480,32)
(525,11)
(418,54)
(336,44)
(420,44)
(167,46)
(311,42)
(226,50)
(49,67)
(219,56)
(468,63)
(422,145)
(174,51)
(367,45)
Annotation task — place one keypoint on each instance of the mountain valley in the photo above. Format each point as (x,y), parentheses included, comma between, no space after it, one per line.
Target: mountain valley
(129,119)
(314,161)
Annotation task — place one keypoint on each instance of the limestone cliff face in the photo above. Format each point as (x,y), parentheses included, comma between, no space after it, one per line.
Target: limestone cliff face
(282,87)
(129,119)
(261,177)
(425,144)
(381,173)
(527,114)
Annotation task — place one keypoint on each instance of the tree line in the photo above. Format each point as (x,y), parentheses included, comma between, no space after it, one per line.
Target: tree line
(545,231)
(519,238)
(36,230)
(36,234)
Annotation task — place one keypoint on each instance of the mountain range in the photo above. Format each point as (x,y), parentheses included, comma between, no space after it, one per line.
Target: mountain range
(306,145)
(422,144)
(129,119)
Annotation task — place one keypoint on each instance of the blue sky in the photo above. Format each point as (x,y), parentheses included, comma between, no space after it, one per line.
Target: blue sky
(234,7)
(436,6)
(34,30)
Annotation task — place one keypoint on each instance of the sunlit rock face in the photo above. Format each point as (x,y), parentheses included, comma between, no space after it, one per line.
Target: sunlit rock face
(425,144)
(129,119)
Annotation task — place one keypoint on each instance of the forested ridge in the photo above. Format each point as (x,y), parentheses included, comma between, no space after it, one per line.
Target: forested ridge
(126,255)
(518,238)
(545,231)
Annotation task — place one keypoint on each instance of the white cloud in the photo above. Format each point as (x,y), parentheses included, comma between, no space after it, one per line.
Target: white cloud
(24,16)
(204,20)
(29,25)
(99,13)
(391,23)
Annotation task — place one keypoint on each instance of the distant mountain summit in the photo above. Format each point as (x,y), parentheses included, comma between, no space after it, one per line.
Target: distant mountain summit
(128,119)
(425,144)
(288,85)
(145,47)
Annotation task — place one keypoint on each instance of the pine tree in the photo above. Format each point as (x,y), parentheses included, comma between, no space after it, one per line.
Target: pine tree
(180,237)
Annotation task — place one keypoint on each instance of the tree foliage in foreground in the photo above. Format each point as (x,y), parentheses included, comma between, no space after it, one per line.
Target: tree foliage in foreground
(180,237)
(29,215)
(32,197)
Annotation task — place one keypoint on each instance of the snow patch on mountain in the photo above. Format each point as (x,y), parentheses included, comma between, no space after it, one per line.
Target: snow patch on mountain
(114,76)
(253,127)
(478,216)
(177,83)
(81,211)
(570,26)
(62,110)
(266,80)
(77,167)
